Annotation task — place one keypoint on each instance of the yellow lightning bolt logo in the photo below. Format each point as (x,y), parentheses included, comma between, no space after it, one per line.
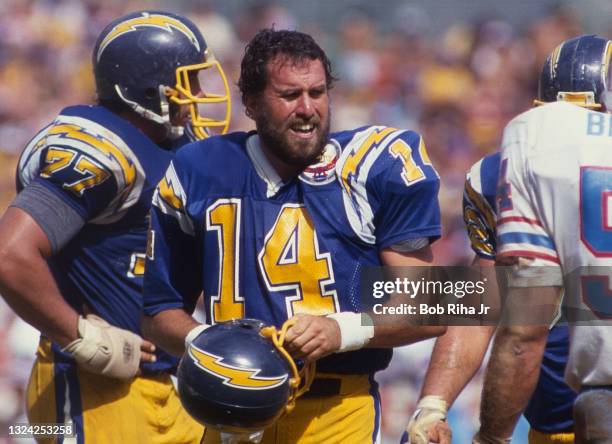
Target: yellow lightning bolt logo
(554,59)
(102,144)
(236,377)
(349,170)
(169,194)
(154,20)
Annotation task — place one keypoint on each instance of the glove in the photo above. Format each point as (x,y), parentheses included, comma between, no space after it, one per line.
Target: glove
(430,410)
(104,349)
(483,438)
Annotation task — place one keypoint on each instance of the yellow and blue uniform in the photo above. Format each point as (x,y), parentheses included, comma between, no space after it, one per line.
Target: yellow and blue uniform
(105,170)
(224,223)
(549,411)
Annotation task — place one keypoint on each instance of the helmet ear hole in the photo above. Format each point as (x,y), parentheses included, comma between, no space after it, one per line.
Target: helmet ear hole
(247,326)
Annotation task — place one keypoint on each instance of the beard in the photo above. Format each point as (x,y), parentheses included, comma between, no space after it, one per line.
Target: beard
(292,150)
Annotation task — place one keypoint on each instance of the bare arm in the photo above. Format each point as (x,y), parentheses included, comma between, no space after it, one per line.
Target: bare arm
(168,329)
(456,357)
(514,366)
(314,337)
(398,334)
(26,282)
(458,354)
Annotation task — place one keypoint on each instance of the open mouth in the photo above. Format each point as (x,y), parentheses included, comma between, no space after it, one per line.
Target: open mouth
(304,130)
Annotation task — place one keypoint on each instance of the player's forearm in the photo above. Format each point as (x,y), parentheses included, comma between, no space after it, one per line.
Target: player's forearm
(168,329)
(26,282)
(387,336)
(27,285)
(390,332)
(456,357)
(511,377)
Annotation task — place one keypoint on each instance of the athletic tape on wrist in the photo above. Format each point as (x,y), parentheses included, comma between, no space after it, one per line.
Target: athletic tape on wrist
(433,402)
(353,335)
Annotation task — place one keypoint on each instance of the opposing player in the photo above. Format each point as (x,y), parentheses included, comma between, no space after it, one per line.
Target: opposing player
(552,224)
(573,72)
(74,239)
(279,223)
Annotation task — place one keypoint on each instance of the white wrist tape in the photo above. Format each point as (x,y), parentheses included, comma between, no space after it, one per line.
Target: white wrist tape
(430,410)
(433,402)
(105,349)
(353,335)
(194,333)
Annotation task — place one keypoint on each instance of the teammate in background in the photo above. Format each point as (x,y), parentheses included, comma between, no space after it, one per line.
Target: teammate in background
(278,223)
(73,240)
(574,72)
(552,223)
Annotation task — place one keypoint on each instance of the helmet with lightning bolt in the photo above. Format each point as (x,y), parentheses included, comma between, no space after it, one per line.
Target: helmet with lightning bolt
(153,63)
(236,377)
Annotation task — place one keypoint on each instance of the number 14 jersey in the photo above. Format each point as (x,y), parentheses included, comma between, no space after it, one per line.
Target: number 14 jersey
(224,223)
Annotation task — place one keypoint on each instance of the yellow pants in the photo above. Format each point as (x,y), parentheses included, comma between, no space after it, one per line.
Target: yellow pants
(103,410)
(536,437)
(352,416)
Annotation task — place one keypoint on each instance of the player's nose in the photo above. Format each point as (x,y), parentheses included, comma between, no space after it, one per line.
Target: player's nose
(305,106)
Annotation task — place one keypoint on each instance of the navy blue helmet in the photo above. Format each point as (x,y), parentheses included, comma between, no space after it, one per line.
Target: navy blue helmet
(234,379)
(577,71)
(150,61)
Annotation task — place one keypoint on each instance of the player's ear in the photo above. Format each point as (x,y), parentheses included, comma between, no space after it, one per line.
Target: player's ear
(250,103)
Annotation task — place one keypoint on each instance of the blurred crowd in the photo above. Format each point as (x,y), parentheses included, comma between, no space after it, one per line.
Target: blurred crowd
(458,88)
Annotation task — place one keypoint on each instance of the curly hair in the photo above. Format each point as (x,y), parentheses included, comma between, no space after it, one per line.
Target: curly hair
(266,45)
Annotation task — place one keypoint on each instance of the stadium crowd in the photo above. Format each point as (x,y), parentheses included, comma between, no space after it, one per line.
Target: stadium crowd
(458,89)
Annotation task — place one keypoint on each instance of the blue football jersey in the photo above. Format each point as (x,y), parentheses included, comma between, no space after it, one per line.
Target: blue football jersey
(224,223)
(106,170)
(550,407)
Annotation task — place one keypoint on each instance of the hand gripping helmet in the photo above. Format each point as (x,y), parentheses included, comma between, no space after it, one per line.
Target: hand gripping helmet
(577,72)
(237,378)
(149,60)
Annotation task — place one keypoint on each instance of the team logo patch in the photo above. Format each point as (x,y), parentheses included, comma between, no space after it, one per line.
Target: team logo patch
(237,377)
(324,171)
(154,20)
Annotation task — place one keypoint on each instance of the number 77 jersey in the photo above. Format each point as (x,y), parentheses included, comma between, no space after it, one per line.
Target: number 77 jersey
(554,203)
(224,223)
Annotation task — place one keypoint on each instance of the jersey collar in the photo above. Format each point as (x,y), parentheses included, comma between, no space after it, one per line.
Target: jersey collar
(263,167)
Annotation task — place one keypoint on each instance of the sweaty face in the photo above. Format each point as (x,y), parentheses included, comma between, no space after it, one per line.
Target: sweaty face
(292,113)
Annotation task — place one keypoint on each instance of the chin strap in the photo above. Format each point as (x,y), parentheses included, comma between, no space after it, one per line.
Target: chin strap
(174,132)
(306,375)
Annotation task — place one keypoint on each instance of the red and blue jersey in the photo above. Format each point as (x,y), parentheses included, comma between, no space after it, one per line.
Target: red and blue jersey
(550,407)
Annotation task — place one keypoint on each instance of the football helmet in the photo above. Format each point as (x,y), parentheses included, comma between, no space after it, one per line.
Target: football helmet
(237,378)
(149,60)
(577,72)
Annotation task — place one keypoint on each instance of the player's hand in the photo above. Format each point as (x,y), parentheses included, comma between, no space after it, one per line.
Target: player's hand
(147,352)
(107,350)
(312,337)
(428,423)
(441,433)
